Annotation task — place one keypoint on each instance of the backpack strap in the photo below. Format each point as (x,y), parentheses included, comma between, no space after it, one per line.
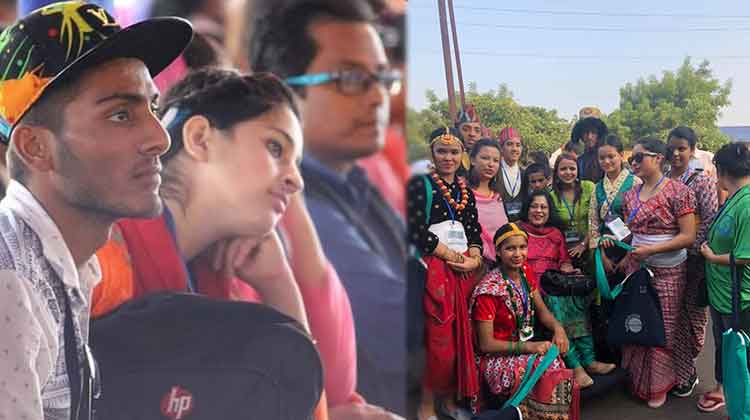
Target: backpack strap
(531,376)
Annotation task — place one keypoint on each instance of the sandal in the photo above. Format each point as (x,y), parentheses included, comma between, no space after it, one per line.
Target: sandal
(657,402)
(710,402)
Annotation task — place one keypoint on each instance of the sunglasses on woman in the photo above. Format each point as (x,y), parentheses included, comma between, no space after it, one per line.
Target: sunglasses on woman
(638,157)
(355,81)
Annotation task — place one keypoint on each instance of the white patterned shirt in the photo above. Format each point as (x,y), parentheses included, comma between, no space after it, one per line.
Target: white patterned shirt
(36,268)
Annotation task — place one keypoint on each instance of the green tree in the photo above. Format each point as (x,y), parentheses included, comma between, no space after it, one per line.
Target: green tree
(542,129)
(691,96)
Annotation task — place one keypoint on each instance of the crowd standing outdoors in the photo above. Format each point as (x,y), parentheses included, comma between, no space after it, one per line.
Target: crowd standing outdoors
(237,186)
(492,235)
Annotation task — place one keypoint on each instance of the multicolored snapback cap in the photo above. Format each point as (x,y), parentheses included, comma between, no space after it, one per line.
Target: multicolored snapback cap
(64,39)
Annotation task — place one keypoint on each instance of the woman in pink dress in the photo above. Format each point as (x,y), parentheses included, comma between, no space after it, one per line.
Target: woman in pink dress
(483,180)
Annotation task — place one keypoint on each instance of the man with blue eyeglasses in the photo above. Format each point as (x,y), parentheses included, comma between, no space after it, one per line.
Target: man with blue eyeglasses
(330,53)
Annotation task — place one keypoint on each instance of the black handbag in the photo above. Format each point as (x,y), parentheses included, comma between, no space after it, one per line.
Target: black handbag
(557,283)
(636,316)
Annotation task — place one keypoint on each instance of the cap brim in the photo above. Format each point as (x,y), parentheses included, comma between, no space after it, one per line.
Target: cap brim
(156,42)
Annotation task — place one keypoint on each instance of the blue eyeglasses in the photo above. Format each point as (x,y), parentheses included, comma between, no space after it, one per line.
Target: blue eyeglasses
(352,81)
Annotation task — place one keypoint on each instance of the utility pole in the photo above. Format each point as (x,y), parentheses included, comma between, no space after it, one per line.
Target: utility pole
(459,73)
(447,60)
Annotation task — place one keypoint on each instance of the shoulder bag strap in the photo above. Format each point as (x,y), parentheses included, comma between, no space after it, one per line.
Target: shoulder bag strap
(692,177)
(601,276)
(601,197)
(735,293)
(428,199)
(80,387)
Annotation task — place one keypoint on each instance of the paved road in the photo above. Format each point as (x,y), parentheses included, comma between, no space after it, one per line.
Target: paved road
(621,406)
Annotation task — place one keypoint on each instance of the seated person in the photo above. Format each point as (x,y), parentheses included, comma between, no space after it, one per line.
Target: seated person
(222,241)
(547,251)
(503,307)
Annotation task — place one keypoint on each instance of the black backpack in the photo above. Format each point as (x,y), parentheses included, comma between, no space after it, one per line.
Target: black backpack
(172,356)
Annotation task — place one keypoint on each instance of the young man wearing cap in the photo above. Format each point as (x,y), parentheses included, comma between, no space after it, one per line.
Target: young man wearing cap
(510,174)
(470,127)
(330,53)
(76,105)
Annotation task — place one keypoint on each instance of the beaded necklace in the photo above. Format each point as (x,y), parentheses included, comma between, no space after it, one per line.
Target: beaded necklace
(447,194)
(525,321)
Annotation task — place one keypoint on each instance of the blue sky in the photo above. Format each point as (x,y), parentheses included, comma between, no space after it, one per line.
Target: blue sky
(568,69)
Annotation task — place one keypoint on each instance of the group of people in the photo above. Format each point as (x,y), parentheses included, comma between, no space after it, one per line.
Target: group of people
(239,186)
(487,230)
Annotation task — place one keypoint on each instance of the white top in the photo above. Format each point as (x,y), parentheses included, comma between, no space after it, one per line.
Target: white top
(511,178)
(36,268)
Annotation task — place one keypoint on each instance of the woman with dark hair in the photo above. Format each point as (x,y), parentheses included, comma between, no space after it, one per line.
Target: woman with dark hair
(691,326)
(444,228)
(660,217)
(729,233)
(218,234)
(605,219)
(547,251)
(571,198)
(606,201)
(504,306)
(485,165)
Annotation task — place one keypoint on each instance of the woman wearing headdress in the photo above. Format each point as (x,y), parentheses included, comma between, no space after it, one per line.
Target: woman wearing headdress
(504,306)
(444,228)
(511,174)
(660,215)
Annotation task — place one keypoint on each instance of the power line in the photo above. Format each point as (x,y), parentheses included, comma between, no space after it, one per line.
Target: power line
(590,13)
(598,13)
(589,29)
(592,57)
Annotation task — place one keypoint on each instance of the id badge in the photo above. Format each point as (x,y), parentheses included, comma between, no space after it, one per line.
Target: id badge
(513,208)
(451,234)
(618,228)
(526,333)
(572,237)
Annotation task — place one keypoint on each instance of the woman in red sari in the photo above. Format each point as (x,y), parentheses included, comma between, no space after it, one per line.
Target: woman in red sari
(660,216)
(449,238)
(548,251)
(504,305)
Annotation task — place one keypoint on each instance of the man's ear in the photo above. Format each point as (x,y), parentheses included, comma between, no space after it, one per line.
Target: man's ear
(196,133)
(34,146)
